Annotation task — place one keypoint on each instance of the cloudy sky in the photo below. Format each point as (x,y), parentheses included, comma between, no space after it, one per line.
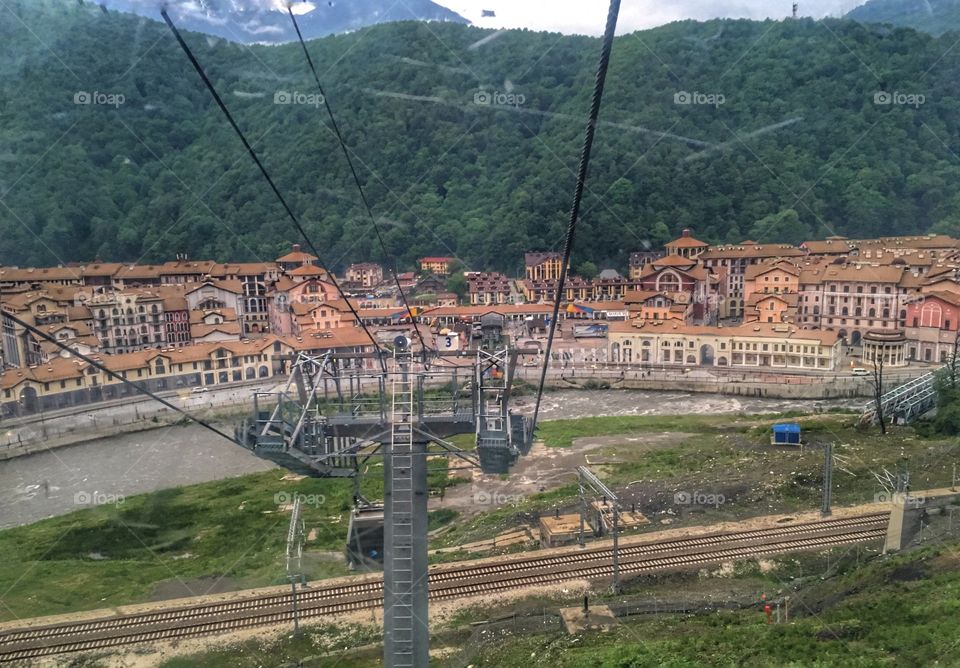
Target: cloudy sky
(587,16)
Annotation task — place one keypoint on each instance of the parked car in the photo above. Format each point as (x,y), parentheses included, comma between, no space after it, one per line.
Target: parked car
(199,390)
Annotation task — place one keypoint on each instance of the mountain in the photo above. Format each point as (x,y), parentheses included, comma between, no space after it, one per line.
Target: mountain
(933,16)
(467,140)
(259,21)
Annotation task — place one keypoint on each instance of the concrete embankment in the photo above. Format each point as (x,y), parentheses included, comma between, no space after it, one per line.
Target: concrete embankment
(772,390)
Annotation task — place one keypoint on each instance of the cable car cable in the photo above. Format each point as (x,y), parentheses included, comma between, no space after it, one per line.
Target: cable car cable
(97,365)
(269,180)
(356,178)
(601,78)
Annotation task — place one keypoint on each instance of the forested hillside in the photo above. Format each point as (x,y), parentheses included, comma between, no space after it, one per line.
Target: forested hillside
(799,129)
(933,16)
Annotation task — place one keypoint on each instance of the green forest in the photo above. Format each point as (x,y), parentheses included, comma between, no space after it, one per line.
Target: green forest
(771,131)
(932,16)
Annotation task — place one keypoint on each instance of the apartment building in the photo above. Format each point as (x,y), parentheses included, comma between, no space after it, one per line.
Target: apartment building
(735,260)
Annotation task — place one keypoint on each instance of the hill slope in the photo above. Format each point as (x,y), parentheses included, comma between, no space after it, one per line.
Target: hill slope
(798,129)
(933,16)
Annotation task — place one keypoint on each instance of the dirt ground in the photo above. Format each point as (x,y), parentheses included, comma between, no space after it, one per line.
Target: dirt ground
(542,470)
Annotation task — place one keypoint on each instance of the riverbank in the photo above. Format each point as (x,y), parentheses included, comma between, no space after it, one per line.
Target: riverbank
(79,425)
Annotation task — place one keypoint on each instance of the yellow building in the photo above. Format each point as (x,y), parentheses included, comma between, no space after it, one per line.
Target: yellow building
(543,266)
(440,266)
(757,345)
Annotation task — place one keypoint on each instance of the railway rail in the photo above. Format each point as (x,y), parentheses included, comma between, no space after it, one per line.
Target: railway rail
(447,582)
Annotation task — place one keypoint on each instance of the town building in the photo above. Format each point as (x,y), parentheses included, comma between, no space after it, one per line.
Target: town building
(686,246)
(296,258)
(441,266)
(364,275)
(682,281)
(734,261)
(640,259)
(757,346)
(489,288)
(933,326)
(853,298)
(543,266)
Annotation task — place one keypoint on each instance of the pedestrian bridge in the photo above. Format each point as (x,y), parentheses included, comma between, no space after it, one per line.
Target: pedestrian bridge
(905,403)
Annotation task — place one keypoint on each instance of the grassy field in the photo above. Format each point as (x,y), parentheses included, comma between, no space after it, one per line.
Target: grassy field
(190,540)
(650,459)
(230,534)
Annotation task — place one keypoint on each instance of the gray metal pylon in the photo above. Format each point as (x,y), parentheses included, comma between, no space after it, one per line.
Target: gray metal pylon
(406,633)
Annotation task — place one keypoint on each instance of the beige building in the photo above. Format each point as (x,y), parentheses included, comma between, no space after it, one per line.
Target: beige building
(365,274)
(757,345)
(735,260)
(686,246)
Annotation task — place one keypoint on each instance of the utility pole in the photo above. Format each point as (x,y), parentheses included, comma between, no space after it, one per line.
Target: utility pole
(586,479)
(616,548)
(827,480)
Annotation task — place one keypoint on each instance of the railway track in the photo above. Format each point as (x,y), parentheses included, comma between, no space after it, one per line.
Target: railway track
(446,583)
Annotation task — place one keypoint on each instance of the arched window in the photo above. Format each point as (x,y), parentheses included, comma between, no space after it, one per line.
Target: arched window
(930,315)
(668,282)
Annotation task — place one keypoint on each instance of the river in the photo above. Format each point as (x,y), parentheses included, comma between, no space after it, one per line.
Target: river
(59,481)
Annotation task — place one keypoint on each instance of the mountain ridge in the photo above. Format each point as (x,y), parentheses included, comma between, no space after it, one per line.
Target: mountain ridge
(932,16)
(468,150)
(248,25)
